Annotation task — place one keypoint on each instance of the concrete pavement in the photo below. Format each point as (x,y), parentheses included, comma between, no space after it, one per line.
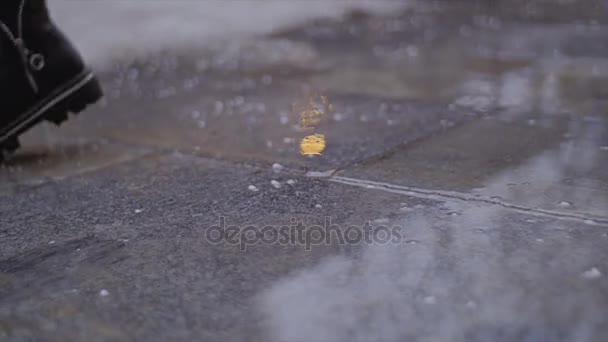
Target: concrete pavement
(475,133)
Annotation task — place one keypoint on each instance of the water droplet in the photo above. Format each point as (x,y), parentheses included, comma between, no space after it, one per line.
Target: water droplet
(239,101)
(166,92)
(412,51)
(430,300)
(219,107)
(592,273)
(266,80)
(132,74)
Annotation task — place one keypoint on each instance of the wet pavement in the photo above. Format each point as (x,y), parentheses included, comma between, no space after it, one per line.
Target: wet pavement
(472,133)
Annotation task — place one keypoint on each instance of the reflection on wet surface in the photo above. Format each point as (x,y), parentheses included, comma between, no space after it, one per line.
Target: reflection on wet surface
(479,127)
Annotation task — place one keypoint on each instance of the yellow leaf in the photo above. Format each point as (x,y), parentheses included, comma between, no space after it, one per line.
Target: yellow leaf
(312,144)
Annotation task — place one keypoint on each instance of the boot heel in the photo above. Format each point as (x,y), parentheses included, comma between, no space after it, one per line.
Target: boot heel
(75,103)
(8,147)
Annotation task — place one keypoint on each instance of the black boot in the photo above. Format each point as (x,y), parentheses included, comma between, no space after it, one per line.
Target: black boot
(42,76)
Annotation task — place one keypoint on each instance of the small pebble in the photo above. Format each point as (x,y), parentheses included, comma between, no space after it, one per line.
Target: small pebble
(252,188)
(318,206)
(291,182)
(276,167)
(592,273)
(104,293)
(52,242)
(139,211)
(564,204)
(275,183)
(589,222)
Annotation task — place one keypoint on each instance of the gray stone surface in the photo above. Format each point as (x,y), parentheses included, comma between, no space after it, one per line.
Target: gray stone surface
(474,131)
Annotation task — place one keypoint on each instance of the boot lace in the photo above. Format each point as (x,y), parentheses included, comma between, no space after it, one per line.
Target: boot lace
(31,61)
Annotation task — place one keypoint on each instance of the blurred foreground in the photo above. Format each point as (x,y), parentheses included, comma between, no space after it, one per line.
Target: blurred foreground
(477,128)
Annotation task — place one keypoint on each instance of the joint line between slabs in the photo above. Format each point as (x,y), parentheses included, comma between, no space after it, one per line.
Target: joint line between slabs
(590,220)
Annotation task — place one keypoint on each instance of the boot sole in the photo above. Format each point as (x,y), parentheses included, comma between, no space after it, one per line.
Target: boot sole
(73,96)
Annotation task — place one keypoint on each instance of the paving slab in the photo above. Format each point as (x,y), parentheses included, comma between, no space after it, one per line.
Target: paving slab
(480,274)
(137,230)
(561,166)
(543,144)
(390,79)
(122,254)
(471,133)
(46,157)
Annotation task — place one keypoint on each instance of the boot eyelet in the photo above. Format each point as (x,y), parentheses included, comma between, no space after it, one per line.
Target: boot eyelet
(37,61)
